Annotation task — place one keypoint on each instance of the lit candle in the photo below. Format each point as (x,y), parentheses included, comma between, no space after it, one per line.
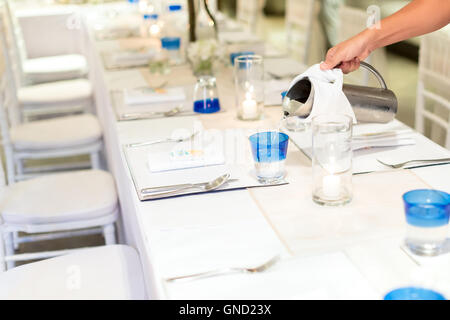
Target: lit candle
(154,29)
(331,186)
(249,107)
(332,183)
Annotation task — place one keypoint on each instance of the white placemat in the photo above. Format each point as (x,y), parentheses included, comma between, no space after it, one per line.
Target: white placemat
(238,163)
(126,112)
(330,276)
(126,59)
(365,160)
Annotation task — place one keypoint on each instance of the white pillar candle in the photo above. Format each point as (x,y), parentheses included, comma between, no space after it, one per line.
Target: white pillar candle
(331,186)
(249,107)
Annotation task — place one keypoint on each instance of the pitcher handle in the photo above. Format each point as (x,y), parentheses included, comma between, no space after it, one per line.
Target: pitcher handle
(375,72)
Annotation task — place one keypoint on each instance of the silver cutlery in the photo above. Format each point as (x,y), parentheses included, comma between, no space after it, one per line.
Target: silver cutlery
(383,134)
(141,115)
(167,140)
(225,271)
(402,164)
(158,192)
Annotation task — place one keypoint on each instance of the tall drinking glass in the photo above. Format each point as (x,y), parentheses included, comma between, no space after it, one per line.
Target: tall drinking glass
(249,86)
(332,159)
(427,217)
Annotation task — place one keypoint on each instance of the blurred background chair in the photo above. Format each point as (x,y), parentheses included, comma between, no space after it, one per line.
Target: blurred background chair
(46,99)
(351,22)
(63,137)
(41,69)
(433,95)
(107,273)
(250,13)
(299,19)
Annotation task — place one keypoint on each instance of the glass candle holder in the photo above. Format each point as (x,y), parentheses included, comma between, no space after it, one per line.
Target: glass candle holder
(413,293)
(332,159)
(206,96)
(249,86)
(427,216)
(269,151)
(234,55)
(172,47)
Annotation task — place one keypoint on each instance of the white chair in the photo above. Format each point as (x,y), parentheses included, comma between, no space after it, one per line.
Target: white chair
(62,137)
(47,99)
(56,206)
(299,23)
(351,22)
(433,95)
(107,273)
(42,69)
(250,13)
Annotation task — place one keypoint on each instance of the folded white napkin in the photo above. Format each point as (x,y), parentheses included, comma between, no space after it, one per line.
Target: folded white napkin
(132,56)
(143,96)
(204,150)
(328,95)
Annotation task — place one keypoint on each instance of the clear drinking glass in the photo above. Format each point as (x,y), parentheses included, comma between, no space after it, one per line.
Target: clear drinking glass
(332,159)
(206,96)
(249,86)
(427,217)
(269,151)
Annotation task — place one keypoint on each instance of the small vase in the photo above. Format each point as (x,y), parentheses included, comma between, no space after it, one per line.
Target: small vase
(204,68)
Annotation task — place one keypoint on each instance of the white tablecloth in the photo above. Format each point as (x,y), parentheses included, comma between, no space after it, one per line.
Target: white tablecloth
(175,236)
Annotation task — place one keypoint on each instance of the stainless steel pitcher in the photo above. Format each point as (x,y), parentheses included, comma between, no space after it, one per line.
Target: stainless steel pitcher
(378,105)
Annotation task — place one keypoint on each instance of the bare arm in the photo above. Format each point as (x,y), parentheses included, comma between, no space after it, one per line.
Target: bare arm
(417,18)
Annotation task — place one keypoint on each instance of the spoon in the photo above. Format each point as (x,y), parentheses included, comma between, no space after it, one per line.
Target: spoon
(159,192)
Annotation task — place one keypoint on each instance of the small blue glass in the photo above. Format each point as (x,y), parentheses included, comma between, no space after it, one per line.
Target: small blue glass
(175,7)
(171,43)
(427,216)
(234,55)
(413,293)
(206,96)
(269,151)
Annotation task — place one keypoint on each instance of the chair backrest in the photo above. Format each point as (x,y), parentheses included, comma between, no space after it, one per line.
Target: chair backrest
(351,22)
(299,19)
(433,94)
(15,40)
(250,12)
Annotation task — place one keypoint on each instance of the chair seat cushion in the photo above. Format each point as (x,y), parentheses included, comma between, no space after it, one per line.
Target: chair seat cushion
(110,272)
(59,198)
(55,68)
(55,92)
(56,133)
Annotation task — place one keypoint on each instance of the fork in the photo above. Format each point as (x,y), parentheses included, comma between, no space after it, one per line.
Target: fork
(402,164)
(142,115)
(261,268)
(149,143)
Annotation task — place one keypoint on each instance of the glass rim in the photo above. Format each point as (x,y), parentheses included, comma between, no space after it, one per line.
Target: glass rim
(316,118)
(443,198)
(279,133)
(249,58)
(404,292)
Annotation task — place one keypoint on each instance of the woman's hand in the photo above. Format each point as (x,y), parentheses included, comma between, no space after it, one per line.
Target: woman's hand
(348,54)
